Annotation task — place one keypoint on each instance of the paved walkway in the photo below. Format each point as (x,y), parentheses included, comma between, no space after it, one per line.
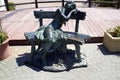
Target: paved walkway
(102,65)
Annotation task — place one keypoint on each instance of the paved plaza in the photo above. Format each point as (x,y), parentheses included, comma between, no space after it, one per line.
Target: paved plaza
(102,65)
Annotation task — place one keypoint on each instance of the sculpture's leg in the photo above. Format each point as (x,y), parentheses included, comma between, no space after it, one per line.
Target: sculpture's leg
(77,47)
(43,58)
(63,47)
(39,44)
(45,49)
(32,48)
(39,47)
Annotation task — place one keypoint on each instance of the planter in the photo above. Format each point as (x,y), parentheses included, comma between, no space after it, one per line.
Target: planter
(111,43)
(4,49)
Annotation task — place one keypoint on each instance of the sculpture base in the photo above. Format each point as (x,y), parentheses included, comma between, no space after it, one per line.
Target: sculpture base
(66,66)
(57,62)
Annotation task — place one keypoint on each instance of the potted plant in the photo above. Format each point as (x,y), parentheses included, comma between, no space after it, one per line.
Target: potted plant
(4,43)
(112,39)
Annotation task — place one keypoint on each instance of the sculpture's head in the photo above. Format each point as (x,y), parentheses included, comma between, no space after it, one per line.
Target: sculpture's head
(70,5)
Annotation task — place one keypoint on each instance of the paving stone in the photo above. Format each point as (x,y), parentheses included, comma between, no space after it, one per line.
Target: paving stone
(102,65)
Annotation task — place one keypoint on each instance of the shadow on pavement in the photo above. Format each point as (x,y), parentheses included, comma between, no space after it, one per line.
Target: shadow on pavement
(55,62)
(23,60)
(106,52)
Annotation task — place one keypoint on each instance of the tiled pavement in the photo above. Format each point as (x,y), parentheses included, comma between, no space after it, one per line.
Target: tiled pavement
(102,65)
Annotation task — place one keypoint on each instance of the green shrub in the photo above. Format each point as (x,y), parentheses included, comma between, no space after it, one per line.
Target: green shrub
(115,32)
(11,6)
(3,37)
(107,4)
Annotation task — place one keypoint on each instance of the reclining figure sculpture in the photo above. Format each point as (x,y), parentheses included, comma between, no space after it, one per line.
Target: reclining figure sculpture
(54,40)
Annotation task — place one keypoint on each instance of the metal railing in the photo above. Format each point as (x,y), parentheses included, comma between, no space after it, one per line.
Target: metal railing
(36,2)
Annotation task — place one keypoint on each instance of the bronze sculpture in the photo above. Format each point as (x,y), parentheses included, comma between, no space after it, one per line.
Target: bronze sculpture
(53,41)
(52,33)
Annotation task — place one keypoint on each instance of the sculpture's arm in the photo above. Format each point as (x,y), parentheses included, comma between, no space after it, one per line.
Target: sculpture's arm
(68,16)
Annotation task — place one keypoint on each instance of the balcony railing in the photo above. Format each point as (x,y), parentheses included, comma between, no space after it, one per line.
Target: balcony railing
(36,2)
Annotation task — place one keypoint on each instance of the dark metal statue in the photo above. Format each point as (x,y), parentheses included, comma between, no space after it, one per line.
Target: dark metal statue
(52,34)
(54,41)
